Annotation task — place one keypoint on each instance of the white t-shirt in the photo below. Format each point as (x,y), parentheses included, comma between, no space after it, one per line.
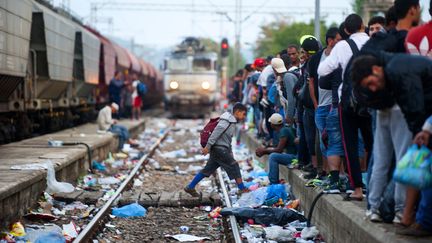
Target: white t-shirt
(340,56)
(135,85)
(104,119)
(266,72)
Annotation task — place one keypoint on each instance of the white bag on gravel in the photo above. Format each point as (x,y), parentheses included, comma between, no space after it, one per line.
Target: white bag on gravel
(53,186)
(278,233)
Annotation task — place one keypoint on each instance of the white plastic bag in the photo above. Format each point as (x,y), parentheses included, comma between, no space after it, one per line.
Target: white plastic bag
(309,232)
(53,186)
(254,198)
(278,233)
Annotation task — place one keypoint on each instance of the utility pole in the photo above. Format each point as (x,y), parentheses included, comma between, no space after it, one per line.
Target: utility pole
(238,23)
(193,18)
(317,26)
(132,45)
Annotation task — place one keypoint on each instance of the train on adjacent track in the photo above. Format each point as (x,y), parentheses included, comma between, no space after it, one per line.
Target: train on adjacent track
(191,79)
(55,71)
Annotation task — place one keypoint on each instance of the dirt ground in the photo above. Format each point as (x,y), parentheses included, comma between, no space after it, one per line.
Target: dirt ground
(161,222)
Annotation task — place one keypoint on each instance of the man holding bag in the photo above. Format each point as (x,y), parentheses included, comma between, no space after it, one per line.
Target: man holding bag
(423,224)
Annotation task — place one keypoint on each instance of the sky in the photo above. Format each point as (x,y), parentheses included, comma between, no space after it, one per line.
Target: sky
(164,23)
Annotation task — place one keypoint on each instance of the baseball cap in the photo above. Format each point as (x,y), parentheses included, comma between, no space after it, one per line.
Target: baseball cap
(115,106)
(276,119)
(310,44)
(269,58)
(278,65)
(259,62)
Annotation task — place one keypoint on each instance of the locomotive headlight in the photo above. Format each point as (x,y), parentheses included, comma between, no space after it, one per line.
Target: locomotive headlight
(205,85)
(174,85)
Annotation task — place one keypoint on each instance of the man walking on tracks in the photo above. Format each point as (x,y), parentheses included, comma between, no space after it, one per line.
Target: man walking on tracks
(219,147)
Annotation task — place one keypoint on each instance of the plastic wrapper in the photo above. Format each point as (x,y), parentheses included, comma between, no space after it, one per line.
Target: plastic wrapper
(131,210)
(415,168)
(279,234)
(46,233)
(254,198)
(53,186)
(275,193)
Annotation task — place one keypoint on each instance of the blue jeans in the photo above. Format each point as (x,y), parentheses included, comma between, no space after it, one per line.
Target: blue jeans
(122,132)
(274,160)
(257,116)
(335,146)
(321,114)
(424,213)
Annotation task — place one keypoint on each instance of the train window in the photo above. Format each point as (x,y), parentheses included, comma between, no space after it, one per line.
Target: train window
(202,64)
(177,64)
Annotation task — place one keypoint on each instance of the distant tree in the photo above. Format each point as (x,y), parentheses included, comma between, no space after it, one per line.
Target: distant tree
(210,44)
(357,6)
(277,35)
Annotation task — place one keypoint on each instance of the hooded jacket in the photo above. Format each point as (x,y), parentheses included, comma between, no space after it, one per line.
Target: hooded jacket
(409,79)
(223,132)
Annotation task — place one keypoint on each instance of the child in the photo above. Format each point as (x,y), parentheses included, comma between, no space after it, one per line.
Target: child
(219,147)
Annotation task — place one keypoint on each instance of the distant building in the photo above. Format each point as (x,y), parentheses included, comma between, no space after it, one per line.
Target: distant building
(375,7)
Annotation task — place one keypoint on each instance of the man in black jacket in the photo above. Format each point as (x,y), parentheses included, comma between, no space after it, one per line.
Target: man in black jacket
(392,133)
(407,79)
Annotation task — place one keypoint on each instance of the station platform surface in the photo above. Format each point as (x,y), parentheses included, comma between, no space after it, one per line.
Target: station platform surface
(337,220)
(20,189)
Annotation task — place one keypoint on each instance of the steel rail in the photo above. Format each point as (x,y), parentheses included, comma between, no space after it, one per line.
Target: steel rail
(95,223)
(232,218)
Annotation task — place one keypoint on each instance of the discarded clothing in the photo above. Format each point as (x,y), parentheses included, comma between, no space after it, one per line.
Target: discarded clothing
(266,216)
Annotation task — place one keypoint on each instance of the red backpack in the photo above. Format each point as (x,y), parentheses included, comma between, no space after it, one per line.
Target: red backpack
(207,131)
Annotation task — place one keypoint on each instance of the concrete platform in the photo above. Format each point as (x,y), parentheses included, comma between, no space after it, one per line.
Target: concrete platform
(338,221)
(20,189)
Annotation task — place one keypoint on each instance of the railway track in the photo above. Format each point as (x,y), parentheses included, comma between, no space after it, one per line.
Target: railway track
(170,157)
(88,233)
(228,231)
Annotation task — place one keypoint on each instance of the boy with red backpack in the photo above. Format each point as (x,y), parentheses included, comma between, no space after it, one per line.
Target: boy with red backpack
(218,144)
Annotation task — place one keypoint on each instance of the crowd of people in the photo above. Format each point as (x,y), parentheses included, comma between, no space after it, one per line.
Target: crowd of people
(347,113)
(127,92)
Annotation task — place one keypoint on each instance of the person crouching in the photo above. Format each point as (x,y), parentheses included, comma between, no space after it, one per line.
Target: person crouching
(284,152)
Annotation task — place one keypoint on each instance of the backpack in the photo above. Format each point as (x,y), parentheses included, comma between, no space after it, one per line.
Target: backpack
(208,130)
(348,99)
(304,94)
(142,89)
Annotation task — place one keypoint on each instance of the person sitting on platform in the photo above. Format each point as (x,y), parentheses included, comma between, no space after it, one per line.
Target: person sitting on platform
(284,152)
(106,123)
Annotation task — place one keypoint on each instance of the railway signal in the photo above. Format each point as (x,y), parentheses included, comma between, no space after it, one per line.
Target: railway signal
(224,47)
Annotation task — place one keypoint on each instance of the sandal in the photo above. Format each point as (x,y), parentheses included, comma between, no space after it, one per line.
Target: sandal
(348,197)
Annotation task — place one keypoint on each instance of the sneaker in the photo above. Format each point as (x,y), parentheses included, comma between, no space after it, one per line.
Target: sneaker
(313,174)
(308,168)
(294,164)
(397,218)
(312,183)
(375,217)
(345,185)
(332,188)
(191,191)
